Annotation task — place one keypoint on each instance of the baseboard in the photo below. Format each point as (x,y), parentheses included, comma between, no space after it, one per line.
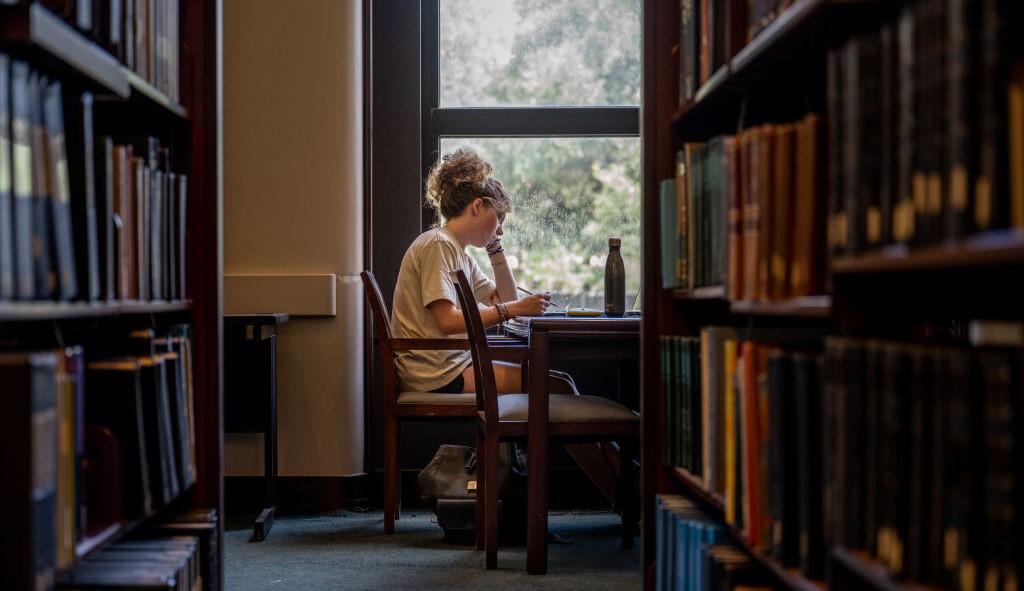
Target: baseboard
(297,495)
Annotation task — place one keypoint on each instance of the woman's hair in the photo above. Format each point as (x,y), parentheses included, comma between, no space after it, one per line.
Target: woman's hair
(459,178)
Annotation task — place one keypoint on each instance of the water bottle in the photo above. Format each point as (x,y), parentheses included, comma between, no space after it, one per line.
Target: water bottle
(614,280)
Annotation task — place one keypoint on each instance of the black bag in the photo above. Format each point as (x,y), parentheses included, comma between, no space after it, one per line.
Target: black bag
(448,487)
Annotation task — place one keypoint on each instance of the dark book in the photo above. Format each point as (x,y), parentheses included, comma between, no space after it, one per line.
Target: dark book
(140,184)
(807,388)
(781,216)
(103,480)
(921,479)
(78,111)
(7,288)
(42,263)
(29,399)
(888,139)
(990,209)
(807,266)
(156,250)
(181,222)
(157,425)
(903,216)
(689,54)
(170,249)
(960,99)
(117,403)
(203,525)
(62,238)
(837,223)
(21,166)
(105,218)
(785,462)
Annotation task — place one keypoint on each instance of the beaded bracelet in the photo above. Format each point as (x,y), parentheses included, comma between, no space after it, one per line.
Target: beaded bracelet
(502,312)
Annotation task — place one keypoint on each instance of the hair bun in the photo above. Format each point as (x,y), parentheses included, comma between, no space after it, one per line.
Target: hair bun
(461,166)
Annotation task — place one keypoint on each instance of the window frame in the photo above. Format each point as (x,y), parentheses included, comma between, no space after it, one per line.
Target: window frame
(500,122)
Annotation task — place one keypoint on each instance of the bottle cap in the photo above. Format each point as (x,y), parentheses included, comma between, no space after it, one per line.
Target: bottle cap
(615,241)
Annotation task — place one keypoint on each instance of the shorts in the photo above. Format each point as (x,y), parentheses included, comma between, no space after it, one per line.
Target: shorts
(453,387)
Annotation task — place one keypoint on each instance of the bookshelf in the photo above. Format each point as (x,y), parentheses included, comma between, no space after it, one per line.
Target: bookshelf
(928,305)
(171,279)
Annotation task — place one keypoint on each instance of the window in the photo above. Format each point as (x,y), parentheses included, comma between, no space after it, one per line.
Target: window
(547,92)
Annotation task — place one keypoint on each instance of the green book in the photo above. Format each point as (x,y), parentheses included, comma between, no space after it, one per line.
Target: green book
(669,235)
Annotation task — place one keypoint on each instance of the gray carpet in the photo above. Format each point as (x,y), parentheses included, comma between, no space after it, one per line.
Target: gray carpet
(350,551)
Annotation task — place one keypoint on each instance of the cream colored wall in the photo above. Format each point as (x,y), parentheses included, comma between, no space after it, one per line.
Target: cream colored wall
(293,206)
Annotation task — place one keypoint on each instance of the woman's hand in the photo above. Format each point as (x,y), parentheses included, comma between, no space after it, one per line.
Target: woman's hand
(532,305)
(494,246)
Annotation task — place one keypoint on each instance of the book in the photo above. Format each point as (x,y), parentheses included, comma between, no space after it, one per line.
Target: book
(81,164)
(22,167)
(7,288)
(60,192)
(29,398)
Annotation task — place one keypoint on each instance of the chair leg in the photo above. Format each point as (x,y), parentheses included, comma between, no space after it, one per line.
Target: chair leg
(391,472)
(491,499)
(480,489)
(626,448)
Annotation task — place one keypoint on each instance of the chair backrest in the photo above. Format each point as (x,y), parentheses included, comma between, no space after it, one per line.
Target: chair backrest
(381,319)
(483,367)
(382,329)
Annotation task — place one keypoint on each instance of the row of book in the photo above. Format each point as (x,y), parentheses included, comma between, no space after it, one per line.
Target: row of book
(142,34)
(924,457)
(911,452)
(693,553)
(711,32)
(926,121)
(747,212)
(106,439)
(82,216)
(177,553)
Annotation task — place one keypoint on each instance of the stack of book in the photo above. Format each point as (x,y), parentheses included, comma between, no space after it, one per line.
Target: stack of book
(106,439)
(142,34)
(693,552)
(93,218)
(925,114)
(712,32)
(747,212)
(171,563)
(923,456)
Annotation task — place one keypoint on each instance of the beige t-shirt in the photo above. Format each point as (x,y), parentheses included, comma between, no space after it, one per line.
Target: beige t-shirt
(425,277)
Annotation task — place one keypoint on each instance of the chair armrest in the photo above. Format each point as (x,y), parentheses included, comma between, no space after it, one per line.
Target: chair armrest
(518,354)
(430,344)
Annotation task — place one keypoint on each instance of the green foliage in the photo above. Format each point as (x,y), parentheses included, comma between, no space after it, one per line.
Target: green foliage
(569,194)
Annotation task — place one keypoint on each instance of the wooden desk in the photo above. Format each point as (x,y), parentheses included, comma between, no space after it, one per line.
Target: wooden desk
(593,337)
(250,394)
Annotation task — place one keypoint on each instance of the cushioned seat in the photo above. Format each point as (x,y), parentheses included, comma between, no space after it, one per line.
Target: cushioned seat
(463,398)
(563,408)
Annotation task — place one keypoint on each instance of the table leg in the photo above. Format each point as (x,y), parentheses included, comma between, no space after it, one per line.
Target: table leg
(537,449)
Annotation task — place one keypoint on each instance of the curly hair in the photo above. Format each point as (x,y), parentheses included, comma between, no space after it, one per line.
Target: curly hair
(459,178)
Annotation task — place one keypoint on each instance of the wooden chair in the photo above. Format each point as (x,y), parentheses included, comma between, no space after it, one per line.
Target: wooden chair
(572,419)
(402,406)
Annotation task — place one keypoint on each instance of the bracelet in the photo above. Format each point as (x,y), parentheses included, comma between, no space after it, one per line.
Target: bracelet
(502,312)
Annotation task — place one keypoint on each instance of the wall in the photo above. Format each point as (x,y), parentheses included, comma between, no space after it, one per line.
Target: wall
(293,196)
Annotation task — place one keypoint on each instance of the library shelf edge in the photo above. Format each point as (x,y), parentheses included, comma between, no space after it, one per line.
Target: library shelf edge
(819,306)
(713,505)
(871,572)
(37,311)
(151,93)
(996,247)
(711,292)
(35,26)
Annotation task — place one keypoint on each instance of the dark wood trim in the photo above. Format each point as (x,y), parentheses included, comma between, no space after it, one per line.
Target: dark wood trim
(535,121)
(298,495)
(368,373)
(37,311)
(804,307)
(430,33)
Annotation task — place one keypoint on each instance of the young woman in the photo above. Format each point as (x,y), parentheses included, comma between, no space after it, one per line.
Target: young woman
(472,206)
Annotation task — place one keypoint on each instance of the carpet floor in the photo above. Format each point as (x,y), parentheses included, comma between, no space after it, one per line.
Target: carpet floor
(348,550)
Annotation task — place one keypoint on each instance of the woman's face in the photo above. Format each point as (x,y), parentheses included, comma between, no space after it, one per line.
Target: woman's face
(488,224)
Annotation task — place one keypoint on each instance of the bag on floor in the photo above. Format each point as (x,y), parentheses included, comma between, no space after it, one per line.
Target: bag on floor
(448,487)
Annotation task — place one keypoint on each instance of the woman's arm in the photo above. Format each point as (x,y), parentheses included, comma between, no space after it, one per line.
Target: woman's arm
(506,284)
(450,321)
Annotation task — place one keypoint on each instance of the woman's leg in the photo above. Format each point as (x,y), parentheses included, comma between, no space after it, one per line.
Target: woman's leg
(508,378)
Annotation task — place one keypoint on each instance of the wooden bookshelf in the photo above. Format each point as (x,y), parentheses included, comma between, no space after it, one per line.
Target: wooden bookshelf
(994,248)
(915,300)
(126,105)
(38,33)
(37,311)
